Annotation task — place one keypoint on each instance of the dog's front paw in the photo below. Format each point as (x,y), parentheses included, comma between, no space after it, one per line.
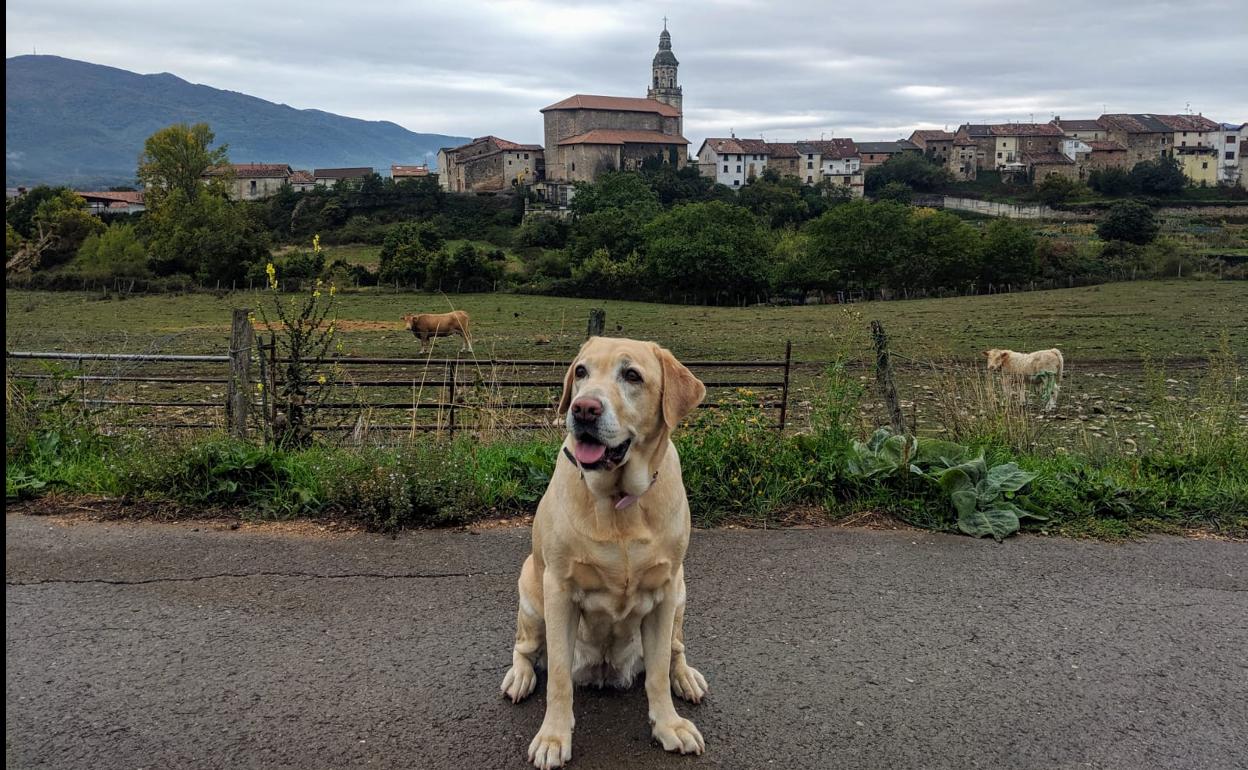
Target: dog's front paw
(679,734)
(550,748)
(688,683)
(519,682)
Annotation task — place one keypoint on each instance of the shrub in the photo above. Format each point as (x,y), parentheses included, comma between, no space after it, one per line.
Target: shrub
(115,253)
(1129,221)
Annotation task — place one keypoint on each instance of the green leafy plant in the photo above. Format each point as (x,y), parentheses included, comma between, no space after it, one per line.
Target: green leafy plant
(985,496)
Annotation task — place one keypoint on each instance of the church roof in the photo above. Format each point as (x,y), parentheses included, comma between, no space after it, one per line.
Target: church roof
(614,136)
(666,57)
(615,104)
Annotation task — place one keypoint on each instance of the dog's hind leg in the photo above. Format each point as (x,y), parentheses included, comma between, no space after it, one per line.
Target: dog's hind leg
(521,678)
(687,681)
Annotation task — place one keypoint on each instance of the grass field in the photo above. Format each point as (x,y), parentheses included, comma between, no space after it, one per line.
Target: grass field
(1113,324)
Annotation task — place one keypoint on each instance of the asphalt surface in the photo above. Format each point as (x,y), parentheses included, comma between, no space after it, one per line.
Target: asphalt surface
(156,646)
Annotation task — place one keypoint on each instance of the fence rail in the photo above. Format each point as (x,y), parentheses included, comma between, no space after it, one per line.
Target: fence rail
(450,388)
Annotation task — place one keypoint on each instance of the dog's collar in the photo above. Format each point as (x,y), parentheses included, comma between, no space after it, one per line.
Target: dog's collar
(624,501)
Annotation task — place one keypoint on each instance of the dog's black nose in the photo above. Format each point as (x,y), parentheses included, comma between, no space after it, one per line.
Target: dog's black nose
(587,409)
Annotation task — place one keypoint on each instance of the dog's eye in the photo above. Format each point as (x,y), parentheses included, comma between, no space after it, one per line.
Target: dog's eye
(632,375)
(581,372)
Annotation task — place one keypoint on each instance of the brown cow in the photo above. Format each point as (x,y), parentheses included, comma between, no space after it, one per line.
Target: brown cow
(427,326)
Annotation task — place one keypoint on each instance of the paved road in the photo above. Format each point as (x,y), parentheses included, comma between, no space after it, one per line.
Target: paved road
(156,646)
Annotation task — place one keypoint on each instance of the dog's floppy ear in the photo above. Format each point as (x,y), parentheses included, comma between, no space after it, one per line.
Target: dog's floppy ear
(682,392)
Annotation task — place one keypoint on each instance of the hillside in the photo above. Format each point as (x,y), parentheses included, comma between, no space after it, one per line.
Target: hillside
(83,124)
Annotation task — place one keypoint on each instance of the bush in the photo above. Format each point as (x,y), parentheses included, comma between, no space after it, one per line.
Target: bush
(712,251)
(1111,182)
(467,268)
(206,237)
(913,169)
(1129,221)
(407,253)
(1163,176)
(542,231)
(115,253)
(898,192)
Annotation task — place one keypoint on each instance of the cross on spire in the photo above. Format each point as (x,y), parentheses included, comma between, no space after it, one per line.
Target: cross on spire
(664,22)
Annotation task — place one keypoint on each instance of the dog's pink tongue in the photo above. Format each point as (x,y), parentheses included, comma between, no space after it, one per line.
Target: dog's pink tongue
(588,454)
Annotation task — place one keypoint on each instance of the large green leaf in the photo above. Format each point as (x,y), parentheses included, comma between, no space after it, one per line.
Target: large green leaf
(1009,477)
(999,522)
(932,451)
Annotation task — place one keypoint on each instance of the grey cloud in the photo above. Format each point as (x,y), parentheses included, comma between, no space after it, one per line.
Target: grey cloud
(786,70)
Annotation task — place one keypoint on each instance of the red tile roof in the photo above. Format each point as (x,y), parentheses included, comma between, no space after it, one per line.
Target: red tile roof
(1148,123)
(782,150)
(253,170)
(931,135)
(302,177)
(734,146)
(398,171)
(616,103)
(342,173)
(834,149)
(614,136)
(1047,159)
(128,197)
(1105,146)
(1025,129)
(1078,125)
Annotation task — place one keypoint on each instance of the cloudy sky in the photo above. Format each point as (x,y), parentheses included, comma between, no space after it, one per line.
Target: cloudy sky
(785,70)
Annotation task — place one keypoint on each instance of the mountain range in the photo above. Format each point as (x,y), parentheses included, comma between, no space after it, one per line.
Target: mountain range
(82,124)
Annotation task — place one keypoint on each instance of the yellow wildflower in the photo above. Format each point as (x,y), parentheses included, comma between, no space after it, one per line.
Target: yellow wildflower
(272,273)
(259,387)
(321,380)
(316,243)
(332,290)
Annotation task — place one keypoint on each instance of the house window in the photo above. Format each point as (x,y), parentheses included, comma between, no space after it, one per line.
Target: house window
(738,167)
(253,187)
(1184,133)
(808,179)
(846,180)
(736,182)
(1230,155)
(526,156)
(998,156)
(809,164)
(1230,140)
(809,156)
(738,158)
(574,167)
(1183,144)
(508,163)
(725,169)
(1205,165)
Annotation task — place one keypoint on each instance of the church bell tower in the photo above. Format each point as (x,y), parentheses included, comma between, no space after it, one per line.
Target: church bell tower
(663,85)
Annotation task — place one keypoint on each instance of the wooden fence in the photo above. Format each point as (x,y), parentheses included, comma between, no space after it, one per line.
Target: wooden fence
(232,390)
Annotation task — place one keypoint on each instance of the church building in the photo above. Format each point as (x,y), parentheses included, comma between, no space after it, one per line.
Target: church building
(588,135)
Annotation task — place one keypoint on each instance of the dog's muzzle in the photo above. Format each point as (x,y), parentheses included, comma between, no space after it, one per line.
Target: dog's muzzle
(590,454)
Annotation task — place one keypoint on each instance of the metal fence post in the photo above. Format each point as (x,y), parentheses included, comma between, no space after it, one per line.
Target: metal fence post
(238,398)
(884,377)
(784,396)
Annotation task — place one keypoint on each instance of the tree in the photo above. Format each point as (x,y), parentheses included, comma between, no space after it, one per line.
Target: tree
(617,190)
(467,268)
(542,231)
(407,253)
(1009,253)
(60,224)
(684,185)
(1056,189)
(1129,221)
(204,236)
(863,241)
(176,158)
(1163,176)
(912,168)
(946,251)
(713,251)
(798,270)
(898,192)
(777,201)
(1111,182)
(115,253)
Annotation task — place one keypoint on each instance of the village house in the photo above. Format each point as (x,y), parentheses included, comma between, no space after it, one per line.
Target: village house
(964,160)
(1147,136)
(836,161)
(110,202)
(1199,163)
(1002,146)
(1229,161)
(488,164)
(399,173)
(731,161)
(876,153)
(302,181)
(331,177)
(251,181)
(1087,130)
(1042,165)
(1101,154)
(588,135)
(937,145)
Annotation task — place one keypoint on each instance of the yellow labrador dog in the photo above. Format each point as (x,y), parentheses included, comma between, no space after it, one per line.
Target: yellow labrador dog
(603,592)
